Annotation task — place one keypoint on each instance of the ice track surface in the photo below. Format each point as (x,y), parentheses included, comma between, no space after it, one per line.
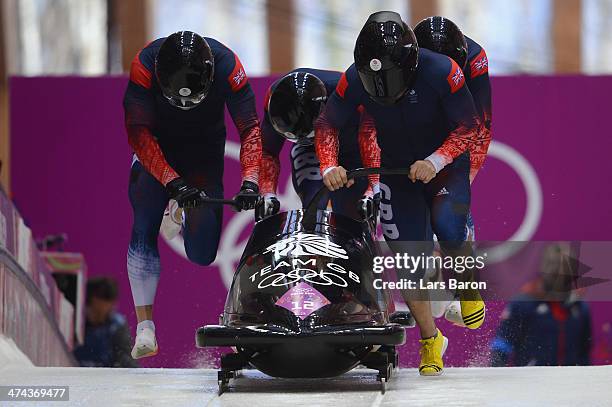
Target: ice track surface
(533,386)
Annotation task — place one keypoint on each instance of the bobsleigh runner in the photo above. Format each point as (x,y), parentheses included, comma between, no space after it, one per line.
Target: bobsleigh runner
(302,303)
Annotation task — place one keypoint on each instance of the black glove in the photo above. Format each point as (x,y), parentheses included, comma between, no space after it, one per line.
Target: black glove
(248,196)
(268,206)
(368,207)
(185,195)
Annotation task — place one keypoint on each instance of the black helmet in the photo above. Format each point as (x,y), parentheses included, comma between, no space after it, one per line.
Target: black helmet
(295,103)
(184,68)
(386,57)
(441,35)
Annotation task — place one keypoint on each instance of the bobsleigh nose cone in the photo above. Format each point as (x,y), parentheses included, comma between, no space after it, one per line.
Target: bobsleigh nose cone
(310,360)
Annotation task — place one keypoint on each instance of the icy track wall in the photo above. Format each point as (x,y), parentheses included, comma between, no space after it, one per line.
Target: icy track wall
(34,315)
(71,161)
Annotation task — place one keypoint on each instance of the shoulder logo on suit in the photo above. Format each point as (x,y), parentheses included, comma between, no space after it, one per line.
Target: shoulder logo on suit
(238,78)
(456,78)
(479,65)
(482,63)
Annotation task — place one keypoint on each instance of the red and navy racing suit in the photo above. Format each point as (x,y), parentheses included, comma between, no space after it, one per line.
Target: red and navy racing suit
(436,119)
(307,180)
(169,142)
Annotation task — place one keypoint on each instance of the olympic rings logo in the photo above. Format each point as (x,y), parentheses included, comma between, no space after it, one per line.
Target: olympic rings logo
(324,278)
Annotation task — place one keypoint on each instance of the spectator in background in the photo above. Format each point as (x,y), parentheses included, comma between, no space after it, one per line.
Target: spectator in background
(547,325)
(107,335)
(602,350)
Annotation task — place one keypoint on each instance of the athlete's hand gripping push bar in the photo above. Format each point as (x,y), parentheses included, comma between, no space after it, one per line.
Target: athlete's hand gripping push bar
(189,196)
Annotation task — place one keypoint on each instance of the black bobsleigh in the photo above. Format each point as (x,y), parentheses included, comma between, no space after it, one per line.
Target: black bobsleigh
(302,302)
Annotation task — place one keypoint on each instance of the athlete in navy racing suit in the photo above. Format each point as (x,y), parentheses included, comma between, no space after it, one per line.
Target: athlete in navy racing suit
(306,176)
(436,120)
(441,35)
(425,120)
(174,115)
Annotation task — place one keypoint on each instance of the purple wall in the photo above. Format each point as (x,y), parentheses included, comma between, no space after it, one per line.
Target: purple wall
(70,163)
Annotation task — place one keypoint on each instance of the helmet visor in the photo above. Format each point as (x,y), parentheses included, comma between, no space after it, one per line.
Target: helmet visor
(294,120)
(187,87)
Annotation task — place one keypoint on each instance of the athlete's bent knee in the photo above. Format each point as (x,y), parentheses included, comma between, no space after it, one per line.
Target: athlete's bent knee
(202,257)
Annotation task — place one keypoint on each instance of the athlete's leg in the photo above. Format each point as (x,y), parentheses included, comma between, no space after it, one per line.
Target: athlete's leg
(449,199)
(148,198)
(203,229)
(405,223)
(448,196)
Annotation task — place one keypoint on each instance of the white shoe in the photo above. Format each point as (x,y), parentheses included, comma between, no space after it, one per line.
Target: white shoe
(453,313)
(443,298)
(172,222)
(145,344)
(440,307)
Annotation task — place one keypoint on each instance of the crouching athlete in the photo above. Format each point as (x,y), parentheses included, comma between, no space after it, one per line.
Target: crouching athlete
(293,103)
(425,119)
(174,115)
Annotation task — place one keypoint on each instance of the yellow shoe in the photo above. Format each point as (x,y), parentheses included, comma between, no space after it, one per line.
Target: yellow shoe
(432,350)
(472,309)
